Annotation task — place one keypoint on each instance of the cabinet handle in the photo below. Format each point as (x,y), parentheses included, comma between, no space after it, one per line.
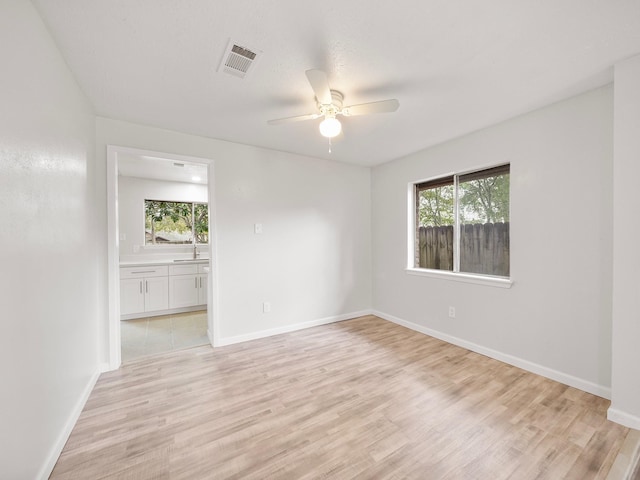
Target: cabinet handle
(140,286)
(200,282)
(146,286)
(145,271)
(196,279)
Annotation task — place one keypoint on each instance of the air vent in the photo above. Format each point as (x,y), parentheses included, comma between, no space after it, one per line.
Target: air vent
(238,60)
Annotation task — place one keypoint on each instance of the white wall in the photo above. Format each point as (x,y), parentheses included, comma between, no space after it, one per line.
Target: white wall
(625,400)
(556,319)
(132,192)
(48,358)
(312,262)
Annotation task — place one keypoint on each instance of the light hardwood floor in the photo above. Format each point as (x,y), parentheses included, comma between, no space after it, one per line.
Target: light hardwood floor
(358,399)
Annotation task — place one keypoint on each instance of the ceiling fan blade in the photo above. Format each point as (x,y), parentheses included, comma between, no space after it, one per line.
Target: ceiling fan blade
(299,118)
(382,106)
(320,85)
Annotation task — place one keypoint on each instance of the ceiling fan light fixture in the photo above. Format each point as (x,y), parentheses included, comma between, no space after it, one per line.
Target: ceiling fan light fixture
(330,127)
(329,105)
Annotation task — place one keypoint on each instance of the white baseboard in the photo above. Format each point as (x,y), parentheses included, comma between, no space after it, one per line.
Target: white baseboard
(56,450)
(289,328)
(623,418)
(581,384)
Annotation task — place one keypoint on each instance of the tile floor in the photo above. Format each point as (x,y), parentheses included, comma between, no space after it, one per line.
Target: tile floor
(151,335)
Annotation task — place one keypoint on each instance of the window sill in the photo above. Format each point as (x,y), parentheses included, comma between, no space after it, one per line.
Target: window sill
(462,277)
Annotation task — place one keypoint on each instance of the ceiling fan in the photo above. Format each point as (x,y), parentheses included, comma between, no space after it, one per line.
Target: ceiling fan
(329,105)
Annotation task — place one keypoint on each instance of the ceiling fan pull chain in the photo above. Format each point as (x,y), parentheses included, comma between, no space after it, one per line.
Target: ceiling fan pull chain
(329,144)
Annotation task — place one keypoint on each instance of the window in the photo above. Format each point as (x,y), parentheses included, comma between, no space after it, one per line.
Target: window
(175,223)
(462,223)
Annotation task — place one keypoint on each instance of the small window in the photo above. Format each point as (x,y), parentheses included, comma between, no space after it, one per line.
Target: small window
(462,223)
(176,223)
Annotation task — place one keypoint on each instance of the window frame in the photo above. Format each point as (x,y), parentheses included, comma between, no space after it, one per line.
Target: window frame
(412,234)
(193,226)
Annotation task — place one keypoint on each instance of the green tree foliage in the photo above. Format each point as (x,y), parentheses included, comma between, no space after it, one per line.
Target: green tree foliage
(162,216)
(485,200)
(180,217)
(201,222)
(435,207)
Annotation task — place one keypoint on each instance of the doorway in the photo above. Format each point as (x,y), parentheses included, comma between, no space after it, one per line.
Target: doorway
(144,336)
(163,313)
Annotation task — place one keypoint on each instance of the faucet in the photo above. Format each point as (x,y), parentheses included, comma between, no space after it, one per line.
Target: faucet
(196,254)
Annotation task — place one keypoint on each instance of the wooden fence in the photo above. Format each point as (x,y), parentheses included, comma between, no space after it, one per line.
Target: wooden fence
(484,248)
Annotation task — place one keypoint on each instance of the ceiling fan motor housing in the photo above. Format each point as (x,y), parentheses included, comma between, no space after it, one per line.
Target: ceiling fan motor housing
(330,104)
(335,107)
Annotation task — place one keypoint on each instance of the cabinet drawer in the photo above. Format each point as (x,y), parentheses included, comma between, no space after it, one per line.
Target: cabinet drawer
(144,272)
(189,269)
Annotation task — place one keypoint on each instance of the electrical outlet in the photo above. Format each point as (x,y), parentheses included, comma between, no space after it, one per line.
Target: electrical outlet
(257,228)
(452,312)
(266,307)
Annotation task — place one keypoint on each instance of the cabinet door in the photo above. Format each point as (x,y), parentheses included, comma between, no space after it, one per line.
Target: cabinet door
(156,294)
(183,291)
(202,289)
(131,296)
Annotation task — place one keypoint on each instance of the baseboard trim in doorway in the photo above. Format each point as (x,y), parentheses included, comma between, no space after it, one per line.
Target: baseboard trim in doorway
(290,328)
(623,418)
(625,466)
(56,450)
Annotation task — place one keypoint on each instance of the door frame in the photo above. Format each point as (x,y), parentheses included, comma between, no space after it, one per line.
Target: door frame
(113,353)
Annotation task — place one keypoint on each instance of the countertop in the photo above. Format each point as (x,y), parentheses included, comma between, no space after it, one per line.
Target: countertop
(142,263)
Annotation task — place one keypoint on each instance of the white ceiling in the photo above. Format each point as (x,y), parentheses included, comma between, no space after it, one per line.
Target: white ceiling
(454,65)
(142,166)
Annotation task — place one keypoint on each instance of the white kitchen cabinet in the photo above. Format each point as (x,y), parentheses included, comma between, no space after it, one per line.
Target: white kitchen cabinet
(202,289)
(203,273)
(187,285)
(147,290)
(156,294)
(143,289)
(131,296)
(183,291)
